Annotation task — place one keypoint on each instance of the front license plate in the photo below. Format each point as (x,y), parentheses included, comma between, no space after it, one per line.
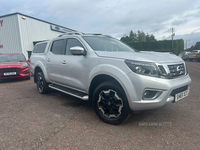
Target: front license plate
(9,73)
(181,95)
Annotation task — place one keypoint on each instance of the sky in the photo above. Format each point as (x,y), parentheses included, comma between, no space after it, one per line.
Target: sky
(116,17)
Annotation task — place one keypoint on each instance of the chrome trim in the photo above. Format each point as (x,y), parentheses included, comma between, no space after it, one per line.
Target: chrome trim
(85,98)
(68,87)
(165,66)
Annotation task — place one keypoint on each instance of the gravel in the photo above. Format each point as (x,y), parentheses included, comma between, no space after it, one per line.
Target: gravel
(30,120)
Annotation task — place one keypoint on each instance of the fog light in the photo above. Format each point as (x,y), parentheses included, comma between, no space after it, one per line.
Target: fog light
(26,72)
(151,94)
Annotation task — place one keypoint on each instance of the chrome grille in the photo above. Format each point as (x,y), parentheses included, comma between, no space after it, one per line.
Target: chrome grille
(5,70)
(176,70)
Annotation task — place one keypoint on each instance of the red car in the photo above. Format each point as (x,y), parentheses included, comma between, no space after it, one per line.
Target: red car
(14,65)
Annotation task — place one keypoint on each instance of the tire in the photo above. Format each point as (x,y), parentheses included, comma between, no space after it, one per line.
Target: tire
(41,83)
(110,103)
(190,59)
(198,59)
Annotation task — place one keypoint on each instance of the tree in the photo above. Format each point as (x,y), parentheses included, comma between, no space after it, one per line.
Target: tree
(195,47)
(152,38)
(148,39)
(125,39)
(133,37)
(141,36)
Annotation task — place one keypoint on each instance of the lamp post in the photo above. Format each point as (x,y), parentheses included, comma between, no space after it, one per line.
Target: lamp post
(186,43)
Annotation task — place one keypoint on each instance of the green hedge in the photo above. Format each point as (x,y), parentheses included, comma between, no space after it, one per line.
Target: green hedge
(159,46)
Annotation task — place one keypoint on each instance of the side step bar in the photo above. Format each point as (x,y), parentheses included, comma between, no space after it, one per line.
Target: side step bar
(69,91)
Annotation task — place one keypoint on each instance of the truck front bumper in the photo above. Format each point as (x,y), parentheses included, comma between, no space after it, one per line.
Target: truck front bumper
(164,91)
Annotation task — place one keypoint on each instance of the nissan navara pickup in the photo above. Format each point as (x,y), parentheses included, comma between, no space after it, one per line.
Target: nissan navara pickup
(110,75)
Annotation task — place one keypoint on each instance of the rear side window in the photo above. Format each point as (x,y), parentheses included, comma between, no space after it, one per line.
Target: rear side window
(58,47)
(40,48)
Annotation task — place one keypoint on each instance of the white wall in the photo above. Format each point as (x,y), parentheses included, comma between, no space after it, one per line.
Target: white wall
(9,35)
(34,30)
(19,32)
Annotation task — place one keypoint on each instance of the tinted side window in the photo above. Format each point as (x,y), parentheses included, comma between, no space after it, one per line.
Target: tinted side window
(57,47)
(72,43)
(40,48)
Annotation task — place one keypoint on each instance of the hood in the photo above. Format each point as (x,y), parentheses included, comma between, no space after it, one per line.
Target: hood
(11,64)
(156,57)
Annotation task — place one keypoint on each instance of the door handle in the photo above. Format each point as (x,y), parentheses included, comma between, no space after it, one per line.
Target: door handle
(63,62)
(48,59)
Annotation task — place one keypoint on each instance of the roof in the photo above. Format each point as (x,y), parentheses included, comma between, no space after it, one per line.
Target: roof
(17,13)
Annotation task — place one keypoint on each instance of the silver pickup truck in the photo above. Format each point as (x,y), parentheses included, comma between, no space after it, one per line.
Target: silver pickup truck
(110,75)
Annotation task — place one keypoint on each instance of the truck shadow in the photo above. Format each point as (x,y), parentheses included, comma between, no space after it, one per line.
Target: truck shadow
(70,101)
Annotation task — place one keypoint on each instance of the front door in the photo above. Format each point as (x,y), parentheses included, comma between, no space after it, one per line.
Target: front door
(74,70)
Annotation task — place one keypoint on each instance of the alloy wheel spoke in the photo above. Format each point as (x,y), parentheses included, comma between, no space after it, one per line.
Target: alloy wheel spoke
(111,94)
(110,104)
(40,83)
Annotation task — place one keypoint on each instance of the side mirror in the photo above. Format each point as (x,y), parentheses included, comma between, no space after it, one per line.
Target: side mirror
(77,50)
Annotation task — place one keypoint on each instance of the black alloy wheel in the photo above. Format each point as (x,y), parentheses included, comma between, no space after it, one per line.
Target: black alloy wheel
(42,85)
(110,103)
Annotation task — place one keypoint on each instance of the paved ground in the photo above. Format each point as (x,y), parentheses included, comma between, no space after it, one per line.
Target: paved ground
(29,120)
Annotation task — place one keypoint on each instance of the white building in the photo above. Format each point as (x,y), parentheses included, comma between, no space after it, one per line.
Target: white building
(19,33)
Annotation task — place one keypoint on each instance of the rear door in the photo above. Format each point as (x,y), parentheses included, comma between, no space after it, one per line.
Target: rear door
(53,60)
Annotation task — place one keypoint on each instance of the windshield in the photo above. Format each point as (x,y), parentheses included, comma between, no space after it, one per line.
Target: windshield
(106,44)
(12,58)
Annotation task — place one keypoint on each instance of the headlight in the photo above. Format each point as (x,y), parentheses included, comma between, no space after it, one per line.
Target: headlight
(145,68)
(24,65)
